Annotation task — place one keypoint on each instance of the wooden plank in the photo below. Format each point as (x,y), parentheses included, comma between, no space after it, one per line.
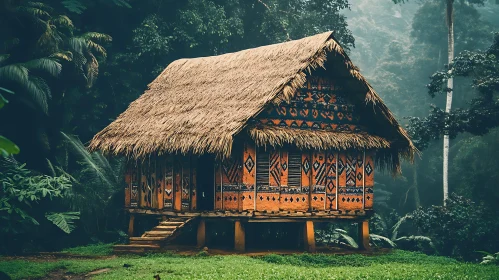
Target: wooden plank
(177,183)
(128,186)
(239,236)
(201,233)
(160,181)
(309,236)
(131,223)
(363,228)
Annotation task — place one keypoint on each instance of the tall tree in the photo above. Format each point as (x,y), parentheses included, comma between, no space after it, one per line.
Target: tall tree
(448,103)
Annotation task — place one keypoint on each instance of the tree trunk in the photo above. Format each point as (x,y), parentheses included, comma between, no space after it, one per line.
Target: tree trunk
(417,200)
(448,105)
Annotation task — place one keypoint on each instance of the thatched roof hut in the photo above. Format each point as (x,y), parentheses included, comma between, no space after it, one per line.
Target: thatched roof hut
(200,105)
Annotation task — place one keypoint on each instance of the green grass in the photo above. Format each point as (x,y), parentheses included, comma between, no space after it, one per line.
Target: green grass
(91,250)
(395,265)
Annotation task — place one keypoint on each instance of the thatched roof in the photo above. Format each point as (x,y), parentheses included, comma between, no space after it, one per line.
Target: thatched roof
(199,105)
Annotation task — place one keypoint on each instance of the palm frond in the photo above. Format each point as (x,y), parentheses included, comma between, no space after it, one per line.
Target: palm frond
(74,6)
(96,36)
(14,73)
(396,227)
(97,48)
(63,21)
(4,57)
(50,39)
(416,238)
(39,92)
(45,64)
(379,238)
(51,167)
(92,70)
(122,3)
(65,55)
(87,159)
(78,44)
(349,240)
(64,221)
(34,12)
(40,5)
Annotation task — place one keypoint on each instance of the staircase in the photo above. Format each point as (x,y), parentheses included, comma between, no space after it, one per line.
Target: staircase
(154,239)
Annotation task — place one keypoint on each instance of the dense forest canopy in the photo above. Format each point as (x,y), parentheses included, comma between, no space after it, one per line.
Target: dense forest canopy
(70,67)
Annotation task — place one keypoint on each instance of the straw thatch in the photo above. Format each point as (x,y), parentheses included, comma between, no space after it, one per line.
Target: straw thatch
(198,105)
(315,139)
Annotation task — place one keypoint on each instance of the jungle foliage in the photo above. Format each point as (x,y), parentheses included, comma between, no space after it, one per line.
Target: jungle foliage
(69,67)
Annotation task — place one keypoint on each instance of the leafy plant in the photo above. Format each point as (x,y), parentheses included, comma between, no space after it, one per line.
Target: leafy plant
(489,258)
(64,221)
(20,189)
(97,181)
(336,236)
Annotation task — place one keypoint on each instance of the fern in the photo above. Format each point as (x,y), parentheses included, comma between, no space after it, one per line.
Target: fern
(64,221)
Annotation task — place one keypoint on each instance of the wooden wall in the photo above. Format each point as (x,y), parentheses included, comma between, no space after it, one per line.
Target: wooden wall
(167,182)
(290,180)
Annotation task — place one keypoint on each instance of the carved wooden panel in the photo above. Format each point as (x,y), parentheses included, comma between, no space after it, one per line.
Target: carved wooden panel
(369,177)
(186,183)
(135,191)
(318,193)
(177,183)
(249,177)
(331,180)
(321,104)
(128,186)
(168,189)
(160,182)
(231,178)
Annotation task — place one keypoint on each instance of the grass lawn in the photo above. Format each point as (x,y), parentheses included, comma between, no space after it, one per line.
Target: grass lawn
(395,265)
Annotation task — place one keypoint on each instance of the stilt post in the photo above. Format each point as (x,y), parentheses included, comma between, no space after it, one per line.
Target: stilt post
(364,235)
(130,225)
(201,234)
(239,237)
(309,236)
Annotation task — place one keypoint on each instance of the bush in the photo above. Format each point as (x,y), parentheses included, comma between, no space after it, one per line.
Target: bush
(459,229)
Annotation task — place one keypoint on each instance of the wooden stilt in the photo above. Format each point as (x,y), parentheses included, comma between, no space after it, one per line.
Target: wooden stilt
(364,235)
(130,225)
(239,237)
(201,233)
(309,236)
